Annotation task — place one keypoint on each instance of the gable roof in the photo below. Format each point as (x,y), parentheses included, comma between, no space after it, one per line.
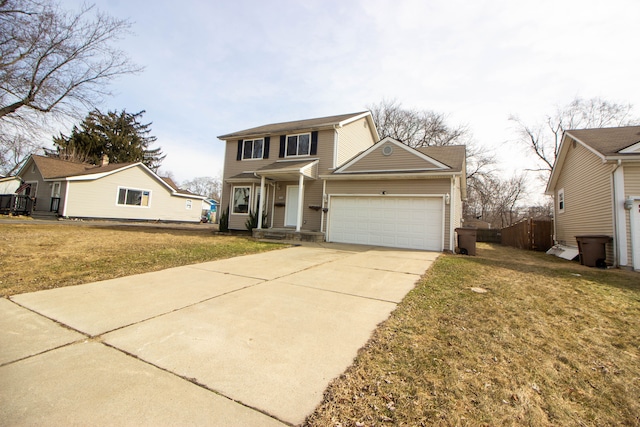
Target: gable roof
(51,169)
(425,159)
(302,125)
(608,141)
(609,144)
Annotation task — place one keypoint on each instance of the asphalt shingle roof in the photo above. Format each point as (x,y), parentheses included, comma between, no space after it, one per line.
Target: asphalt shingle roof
(293,126)
(608,141)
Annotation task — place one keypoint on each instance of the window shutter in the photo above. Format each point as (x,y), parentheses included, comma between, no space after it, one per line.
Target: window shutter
(265,148)
(314,142)
(239,155)
(283,144)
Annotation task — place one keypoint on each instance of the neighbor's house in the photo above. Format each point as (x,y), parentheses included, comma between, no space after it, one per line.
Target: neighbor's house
(9,184)
(126,191)
(596,186)
(332,178)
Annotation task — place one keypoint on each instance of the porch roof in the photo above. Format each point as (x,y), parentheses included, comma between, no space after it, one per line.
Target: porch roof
(243,177)
(290,170)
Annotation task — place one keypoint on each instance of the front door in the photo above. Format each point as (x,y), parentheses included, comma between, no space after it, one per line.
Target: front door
(291,206)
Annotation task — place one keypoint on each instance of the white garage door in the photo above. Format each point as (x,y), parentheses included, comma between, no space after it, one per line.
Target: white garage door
(400,222)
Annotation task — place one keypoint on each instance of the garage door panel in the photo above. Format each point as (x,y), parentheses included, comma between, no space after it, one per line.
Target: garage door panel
(404,222)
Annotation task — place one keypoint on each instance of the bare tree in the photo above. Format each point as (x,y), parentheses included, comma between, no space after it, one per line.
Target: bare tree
(543,140)
(427,128)
(55,63)
(496,200)
(205,186)
(416,128)
(13,149)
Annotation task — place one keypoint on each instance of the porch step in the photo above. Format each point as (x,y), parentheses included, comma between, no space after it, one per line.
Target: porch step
(273,236)
(287,234)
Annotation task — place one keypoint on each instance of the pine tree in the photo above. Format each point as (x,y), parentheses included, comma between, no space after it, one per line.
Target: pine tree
(121,136)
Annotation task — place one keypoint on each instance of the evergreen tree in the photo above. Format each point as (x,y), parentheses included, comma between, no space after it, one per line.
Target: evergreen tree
(121,136)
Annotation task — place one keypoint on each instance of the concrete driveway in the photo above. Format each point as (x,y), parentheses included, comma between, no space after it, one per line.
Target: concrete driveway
(251,341)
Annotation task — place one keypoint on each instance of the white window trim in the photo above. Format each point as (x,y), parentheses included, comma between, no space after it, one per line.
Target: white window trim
(233,199)
(564,201)
(286,145)
(252,142)
(133,189)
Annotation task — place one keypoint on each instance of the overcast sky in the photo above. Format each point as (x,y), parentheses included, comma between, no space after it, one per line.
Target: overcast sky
(214,67)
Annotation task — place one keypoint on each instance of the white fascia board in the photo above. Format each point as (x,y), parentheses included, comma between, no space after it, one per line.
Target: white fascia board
(383,176)
(95,176)
(189,196)
(441,166)
(562,153)
(633,149)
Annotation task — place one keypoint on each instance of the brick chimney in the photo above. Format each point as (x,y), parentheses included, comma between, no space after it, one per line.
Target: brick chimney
(105,160)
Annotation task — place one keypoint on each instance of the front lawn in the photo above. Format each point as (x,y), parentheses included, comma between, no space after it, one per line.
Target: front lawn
(550,343)
(36,256)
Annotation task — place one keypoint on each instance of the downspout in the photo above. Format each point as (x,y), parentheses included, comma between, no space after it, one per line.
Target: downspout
(452,199)
(617,247)
(324,195)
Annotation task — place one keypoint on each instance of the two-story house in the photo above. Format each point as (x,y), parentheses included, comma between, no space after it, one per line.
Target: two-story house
(332,177)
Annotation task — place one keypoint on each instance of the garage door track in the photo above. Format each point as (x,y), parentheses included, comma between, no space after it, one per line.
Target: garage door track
(252,340)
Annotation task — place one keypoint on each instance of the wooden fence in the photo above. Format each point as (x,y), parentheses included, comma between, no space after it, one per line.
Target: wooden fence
(530,234)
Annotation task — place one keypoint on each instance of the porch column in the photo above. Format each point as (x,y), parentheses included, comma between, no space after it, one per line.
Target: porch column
(261,202)
(300,202)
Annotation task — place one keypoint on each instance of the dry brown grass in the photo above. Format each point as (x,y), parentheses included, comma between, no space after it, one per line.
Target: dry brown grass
(550,343)
(35,256)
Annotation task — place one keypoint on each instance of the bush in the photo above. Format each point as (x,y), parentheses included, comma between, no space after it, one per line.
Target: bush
(252,221)
(223,223)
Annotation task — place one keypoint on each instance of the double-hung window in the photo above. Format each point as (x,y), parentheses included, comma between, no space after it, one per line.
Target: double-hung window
(299,145)
(252,148)
(132,197)
(561,200)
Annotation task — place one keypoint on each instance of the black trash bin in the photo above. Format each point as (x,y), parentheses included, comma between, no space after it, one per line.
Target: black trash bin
(466,241)
(593,250)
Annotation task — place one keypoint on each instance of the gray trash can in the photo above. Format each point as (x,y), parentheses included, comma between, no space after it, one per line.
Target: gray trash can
(593,250)
(466,241)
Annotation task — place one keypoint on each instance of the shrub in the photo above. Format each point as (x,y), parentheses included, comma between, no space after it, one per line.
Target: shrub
(223,223)
(252,221)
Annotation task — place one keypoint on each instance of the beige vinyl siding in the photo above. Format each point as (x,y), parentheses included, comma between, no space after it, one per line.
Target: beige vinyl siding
(353,139)
(392,188)
(313,188)
(588,197)
(98,198)
(631,189)
(399,159)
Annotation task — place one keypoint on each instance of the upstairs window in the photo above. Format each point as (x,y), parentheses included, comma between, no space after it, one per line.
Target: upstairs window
(131,197)
(252,148)
(299,145)
(561,200)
